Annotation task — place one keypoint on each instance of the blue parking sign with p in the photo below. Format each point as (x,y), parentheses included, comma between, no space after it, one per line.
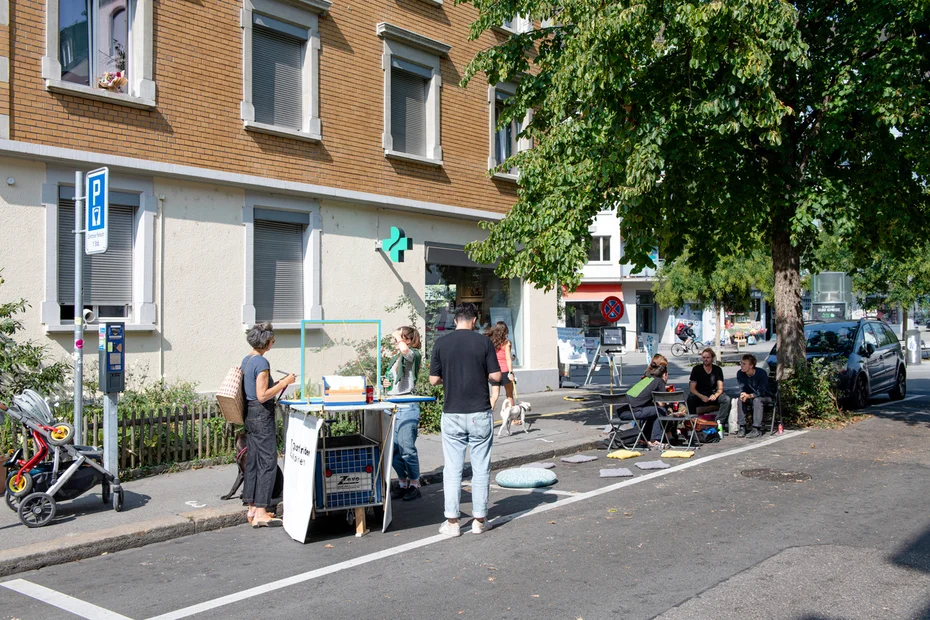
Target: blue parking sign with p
(96,218)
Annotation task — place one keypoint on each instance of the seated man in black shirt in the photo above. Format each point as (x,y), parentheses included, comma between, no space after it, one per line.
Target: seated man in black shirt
(706,385)
(753,392)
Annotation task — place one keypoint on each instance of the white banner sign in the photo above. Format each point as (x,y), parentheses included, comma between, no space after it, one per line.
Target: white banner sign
(571,345)
(650,343)
(303,431)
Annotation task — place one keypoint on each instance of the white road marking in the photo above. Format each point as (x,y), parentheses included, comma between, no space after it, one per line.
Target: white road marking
(62,601)
(88,610)
(538,490)
(379,555)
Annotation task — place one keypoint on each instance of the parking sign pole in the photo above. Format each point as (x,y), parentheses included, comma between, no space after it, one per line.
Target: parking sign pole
(78,307)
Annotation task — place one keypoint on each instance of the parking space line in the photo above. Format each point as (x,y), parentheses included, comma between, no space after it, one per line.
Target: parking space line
(538,490)
(88,610)
(62,601)
(365,559)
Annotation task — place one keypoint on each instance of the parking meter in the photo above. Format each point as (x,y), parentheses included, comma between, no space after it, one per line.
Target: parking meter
(112,353)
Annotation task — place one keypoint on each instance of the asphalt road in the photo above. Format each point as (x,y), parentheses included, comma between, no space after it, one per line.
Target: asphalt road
(700,540)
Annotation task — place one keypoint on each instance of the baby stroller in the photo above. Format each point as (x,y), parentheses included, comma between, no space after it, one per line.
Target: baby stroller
(58,470)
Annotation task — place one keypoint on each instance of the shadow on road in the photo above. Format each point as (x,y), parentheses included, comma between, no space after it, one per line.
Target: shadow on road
(915,555)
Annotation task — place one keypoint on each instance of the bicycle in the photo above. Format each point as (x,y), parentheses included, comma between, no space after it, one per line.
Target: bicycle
(688,346)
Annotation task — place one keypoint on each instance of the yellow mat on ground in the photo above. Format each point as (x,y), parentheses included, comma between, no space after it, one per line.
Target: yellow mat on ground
(624,454)
(677,454)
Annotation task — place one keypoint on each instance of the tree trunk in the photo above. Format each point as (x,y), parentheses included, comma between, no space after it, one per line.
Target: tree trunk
(789,320)
(718,310)
(903,320)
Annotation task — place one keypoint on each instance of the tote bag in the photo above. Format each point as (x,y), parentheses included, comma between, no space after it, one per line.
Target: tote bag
(231,397)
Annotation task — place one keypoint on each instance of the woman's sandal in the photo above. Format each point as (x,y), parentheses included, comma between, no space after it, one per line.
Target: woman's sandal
(273,522)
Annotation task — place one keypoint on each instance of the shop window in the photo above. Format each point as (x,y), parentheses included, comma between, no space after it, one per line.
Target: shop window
(599,252)
(585,315)
(280,74)
(108,276)
(496,299)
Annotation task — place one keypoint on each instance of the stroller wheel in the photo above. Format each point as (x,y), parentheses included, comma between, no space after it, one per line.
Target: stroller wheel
(19,486)
(118,499)
(105,492)
(61,434)
(11,502)
(37,510)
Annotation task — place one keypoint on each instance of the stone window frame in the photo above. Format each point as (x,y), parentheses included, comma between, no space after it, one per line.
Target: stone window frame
(424,52)
(313,253)
(304,14)
(141,59)
(143,314)
(522,144)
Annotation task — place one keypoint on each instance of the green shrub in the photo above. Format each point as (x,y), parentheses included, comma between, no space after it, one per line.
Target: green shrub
(809,396)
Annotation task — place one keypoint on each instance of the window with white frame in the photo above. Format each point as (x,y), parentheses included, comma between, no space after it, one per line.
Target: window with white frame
(101,49)
(504,140)
(108,277)
(412,86)
(517,25)
(282,260)
(281,47)
(599,252)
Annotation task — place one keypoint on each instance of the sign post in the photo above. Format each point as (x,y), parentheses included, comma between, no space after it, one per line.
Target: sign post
(78,308)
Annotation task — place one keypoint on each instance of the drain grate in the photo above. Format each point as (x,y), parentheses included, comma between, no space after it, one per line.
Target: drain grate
(776,475)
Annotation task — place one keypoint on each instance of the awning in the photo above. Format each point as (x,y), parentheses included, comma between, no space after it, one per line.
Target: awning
(593,292)
(447,254)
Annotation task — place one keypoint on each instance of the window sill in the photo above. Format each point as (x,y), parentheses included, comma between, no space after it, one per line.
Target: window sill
(416,158)
(92,329)
(506,176)
(98,94)
(433,2)
(281,131)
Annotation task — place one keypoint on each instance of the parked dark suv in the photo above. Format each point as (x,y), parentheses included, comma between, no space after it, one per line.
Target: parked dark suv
(874,359)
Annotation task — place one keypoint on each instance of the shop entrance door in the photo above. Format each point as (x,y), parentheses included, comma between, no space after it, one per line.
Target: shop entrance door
(645,312)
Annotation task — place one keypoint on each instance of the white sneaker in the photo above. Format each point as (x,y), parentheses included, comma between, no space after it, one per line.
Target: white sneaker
(479,527)
(451,530)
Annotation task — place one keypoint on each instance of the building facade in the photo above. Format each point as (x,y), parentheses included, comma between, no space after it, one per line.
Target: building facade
(605,274)
(259,151)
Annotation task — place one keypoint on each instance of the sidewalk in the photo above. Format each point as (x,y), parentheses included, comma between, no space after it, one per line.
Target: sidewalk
(180,504)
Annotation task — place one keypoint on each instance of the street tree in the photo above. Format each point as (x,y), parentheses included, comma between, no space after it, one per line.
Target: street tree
(709,123)
(729,285)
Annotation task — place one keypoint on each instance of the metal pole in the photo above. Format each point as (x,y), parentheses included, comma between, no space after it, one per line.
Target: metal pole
(78,307)
(110,454)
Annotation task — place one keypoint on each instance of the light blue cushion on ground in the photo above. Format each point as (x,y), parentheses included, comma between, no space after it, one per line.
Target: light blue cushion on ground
(525,478)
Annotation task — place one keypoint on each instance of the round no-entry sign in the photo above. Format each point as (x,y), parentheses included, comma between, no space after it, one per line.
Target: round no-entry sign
(612,309)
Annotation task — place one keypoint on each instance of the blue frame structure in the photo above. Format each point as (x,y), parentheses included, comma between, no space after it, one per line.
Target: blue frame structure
(303,347)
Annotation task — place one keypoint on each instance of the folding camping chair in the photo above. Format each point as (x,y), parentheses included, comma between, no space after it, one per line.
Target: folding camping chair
(614,419)
(665,400)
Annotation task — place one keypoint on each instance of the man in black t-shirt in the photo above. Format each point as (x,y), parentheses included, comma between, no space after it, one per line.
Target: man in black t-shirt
(706,385)
(463,362)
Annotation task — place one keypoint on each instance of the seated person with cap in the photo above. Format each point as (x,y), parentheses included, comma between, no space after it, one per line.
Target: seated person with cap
(706,386)
(753,393)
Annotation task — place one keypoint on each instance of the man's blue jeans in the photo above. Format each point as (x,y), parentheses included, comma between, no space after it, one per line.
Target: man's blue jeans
(406,461)
(460,431)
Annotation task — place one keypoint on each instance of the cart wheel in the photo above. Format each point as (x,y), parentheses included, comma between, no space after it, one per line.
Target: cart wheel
(61,434)
(118,499)
(11,502)
(19,486)
(105,492)
(37,510)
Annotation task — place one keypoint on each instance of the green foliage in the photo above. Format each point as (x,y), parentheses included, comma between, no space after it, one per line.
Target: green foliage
(730,283)
(24,364)
(712,126)
(809,398)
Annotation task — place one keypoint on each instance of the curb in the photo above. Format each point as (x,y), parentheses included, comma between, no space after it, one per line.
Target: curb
(84,546)
(93,544)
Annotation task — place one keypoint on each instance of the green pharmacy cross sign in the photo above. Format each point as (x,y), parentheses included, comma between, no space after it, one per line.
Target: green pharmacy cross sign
(397,244)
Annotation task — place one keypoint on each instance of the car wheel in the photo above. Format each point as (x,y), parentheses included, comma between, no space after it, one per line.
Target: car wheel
(899,391)
(860,395)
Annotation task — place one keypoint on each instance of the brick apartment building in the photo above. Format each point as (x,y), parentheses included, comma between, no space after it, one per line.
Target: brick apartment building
(258,150)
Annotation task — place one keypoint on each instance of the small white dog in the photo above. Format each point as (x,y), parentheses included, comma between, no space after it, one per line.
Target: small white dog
(510,412)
